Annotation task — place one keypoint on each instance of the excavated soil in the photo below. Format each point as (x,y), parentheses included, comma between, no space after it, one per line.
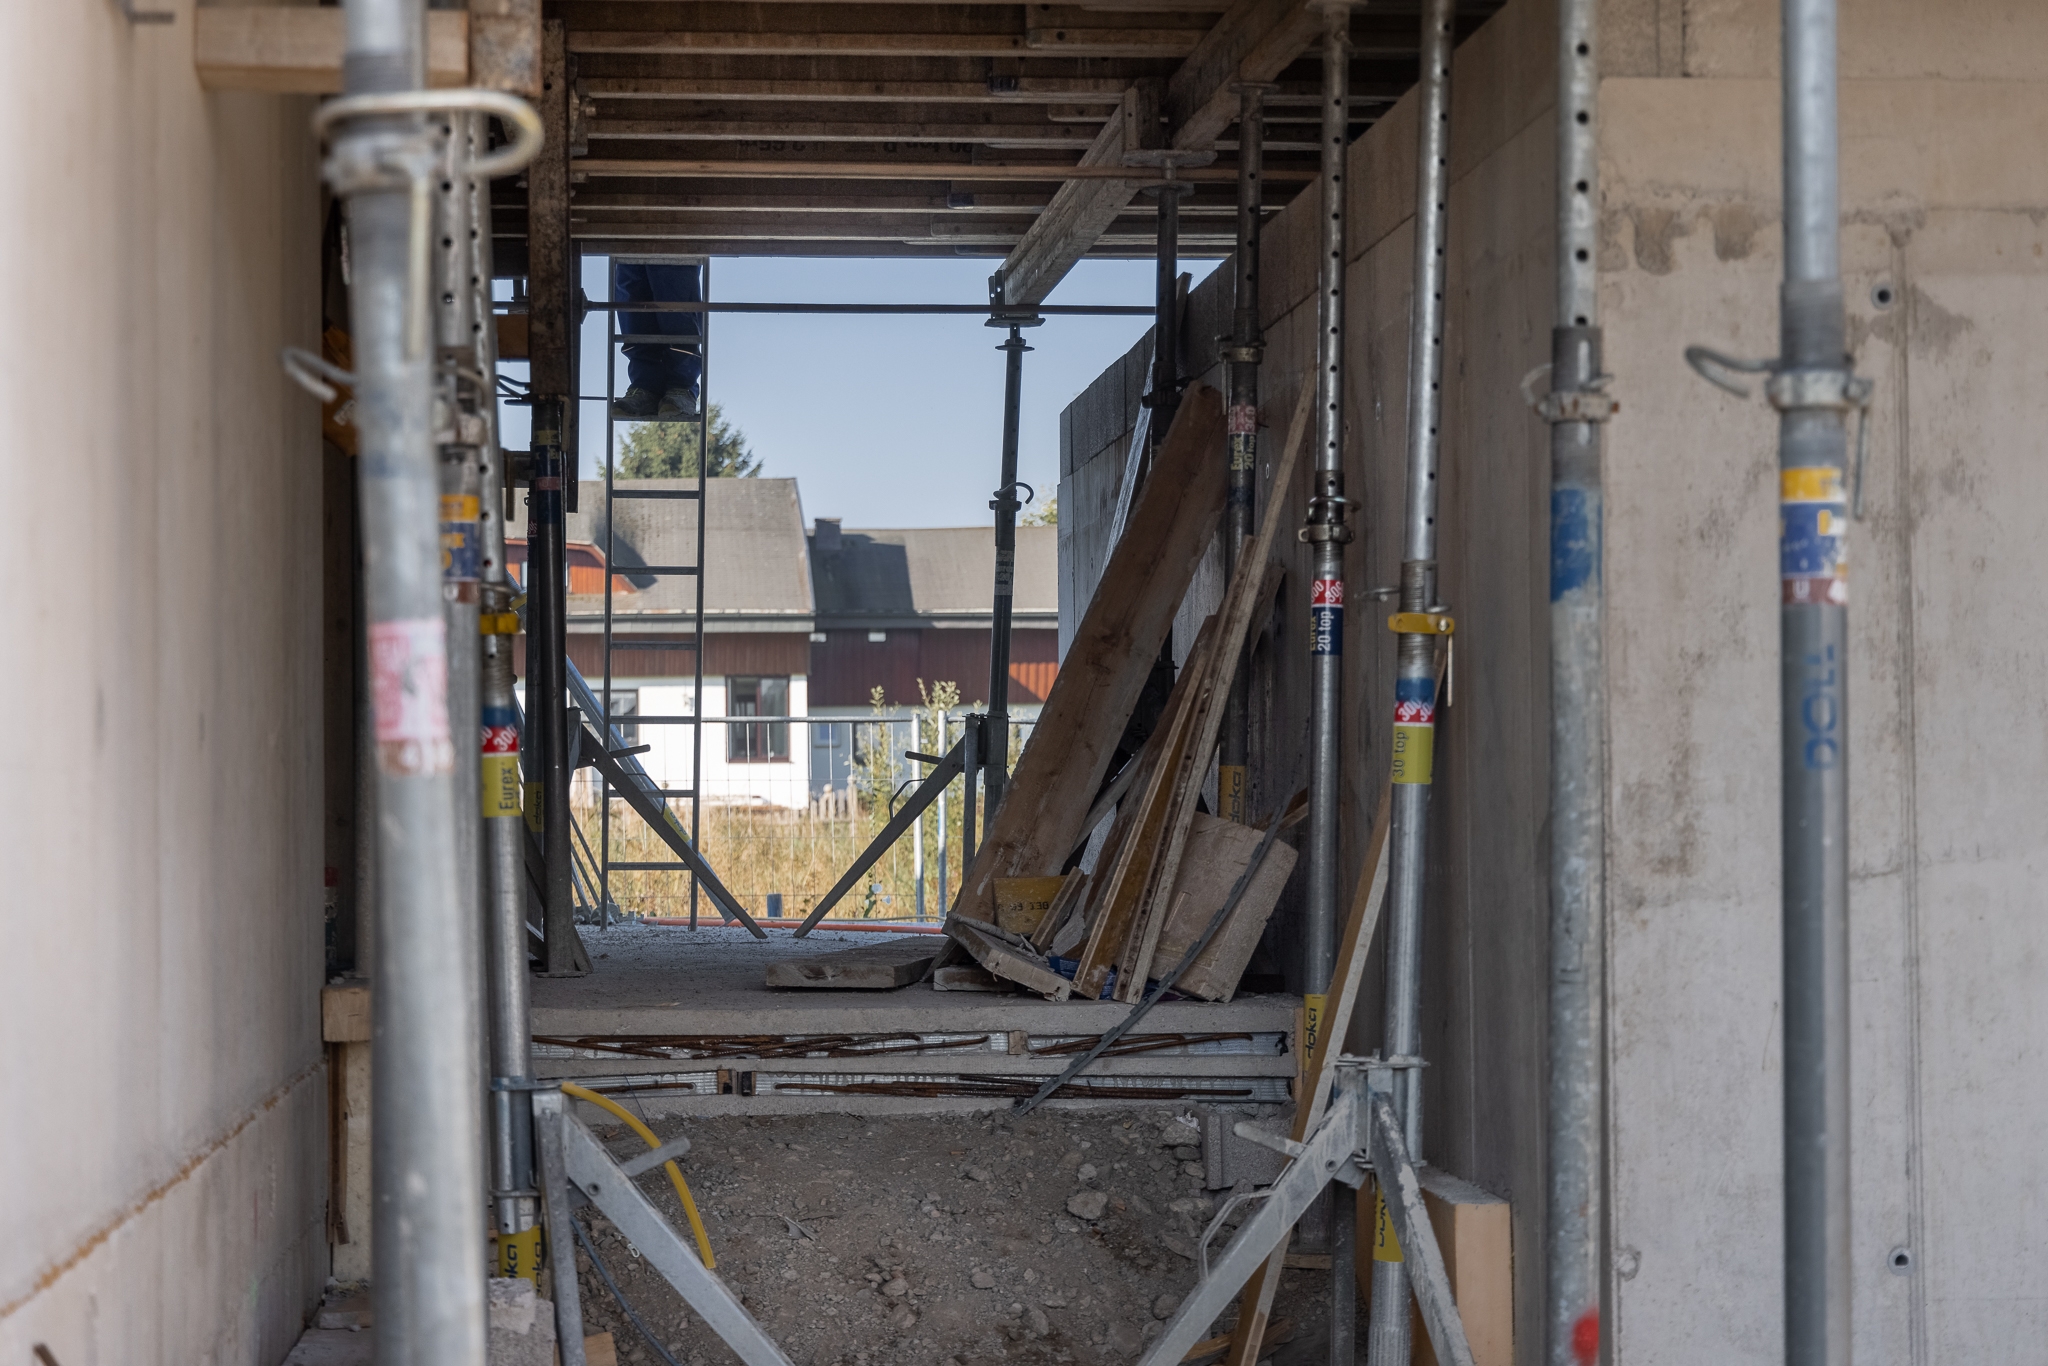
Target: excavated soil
(941,1240)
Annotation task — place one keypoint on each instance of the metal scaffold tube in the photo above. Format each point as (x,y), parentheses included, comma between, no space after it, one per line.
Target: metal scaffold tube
(1420,621)
(1327,534)
(1247,347)
(1575,409)
(1813,392)
(426,1124)
(515,1206)
(1006,505)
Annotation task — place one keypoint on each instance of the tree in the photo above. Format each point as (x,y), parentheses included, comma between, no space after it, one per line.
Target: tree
(1046,513)
(669,450)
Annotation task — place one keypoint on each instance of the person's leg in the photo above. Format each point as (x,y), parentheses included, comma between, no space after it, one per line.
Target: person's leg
(647,376)
(678,283)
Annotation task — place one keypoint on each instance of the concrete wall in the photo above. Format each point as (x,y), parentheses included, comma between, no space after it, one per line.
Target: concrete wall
(162,1161)
(1948,735)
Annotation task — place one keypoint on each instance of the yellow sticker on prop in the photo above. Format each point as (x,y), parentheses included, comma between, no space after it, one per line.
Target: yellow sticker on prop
(519,1254)
(1231,783)
(1414,753)
(1312,1010)
(459,507)
(501,786)
(1810,484)
(1386,1247)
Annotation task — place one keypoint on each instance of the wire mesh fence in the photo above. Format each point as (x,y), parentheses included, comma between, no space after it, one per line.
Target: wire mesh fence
(780,858)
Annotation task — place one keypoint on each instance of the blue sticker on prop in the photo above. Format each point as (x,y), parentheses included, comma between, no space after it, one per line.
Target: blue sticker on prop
(1574,542)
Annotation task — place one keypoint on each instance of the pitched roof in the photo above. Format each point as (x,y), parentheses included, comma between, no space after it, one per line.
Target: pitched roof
(930,576)
(755,571)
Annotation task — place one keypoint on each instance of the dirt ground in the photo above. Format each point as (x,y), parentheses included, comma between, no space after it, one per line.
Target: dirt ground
(938,1240)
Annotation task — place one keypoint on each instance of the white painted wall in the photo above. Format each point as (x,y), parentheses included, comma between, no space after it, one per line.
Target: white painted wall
(783,784)
(162,1161)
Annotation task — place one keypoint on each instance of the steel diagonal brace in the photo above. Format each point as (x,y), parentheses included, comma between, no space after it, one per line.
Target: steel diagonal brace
(1327,1157)
(600,1177)
(950,767)
(654,810)
(1403,1196)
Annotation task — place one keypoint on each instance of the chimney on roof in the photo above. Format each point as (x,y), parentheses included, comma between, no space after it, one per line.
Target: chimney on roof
(825,536)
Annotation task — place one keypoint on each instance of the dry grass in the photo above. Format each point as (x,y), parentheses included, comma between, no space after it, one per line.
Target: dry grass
(800,855)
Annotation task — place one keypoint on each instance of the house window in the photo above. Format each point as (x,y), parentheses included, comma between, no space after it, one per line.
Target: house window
(625,706)
(767,742)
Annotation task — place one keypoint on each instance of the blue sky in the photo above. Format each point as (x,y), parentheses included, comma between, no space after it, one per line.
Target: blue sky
(888,421)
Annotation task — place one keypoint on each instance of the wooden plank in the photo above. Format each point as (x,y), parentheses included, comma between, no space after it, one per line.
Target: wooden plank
(345,1013)
(1241,599)
(1133,843)
(1023,902)
(1254,41)
(1094,91)
(504,46)
(954,169)
(1475,1231)
(1217,852)
(293,50)
(1008,960)
(1060,135)
(870,967)
(1096,42)
(1119,635)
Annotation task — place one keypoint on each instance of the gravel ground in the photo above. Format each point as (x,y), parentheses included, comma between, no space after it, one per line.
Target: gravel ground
(941,1240)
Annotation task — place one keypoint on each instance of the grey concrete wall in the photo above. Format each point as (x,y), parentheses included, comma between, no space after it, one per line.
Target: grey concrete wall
(162,1160)
(1948,734)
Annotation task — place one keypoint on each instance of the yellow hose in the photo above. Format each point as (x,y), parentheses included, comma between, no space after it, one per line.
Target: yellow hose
(675,1173)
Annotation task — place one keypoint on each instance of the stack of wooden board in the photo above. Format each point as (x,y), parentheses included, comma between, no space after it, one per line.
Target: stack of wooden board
(1164,870)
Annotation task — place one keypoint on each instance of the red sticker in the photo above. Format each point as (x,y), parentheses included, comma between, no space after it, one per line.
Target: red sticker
(501,739)
(1244,420)
(409,696)
(1326,593)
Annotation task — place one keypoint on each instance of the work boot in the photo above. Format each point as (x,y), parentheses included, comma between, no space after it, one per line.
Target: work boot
(678,405)
(638,402)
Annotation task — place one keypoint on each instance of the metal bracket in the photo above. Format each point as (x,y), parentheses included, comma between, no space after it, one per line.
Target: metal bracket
(1317,532)
(1355,1118)
(316,375)
(1241,355)
(1589,404)
(641,1163)
(1419,624)
(610,1186)
(1835,390)
(1279,1143)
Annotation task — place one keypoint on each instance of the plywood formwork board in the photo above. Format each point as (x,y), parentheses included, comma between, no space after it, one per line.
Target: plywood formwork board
(1068,756)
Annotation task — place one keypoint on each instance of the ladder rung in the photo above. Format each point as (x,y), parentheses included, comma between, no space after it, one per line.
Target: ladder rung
(654,493)
(684,794)
(676,340)
(632,720)
(629,570)
(654,644)
(647,867)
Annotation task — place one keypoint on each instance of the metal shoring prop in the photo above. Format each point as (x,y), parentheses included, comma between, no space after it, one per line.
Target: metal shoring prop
(1247,346)
(1327,534)
(461,394)
(427,1112)
(1005,505)
(1576,407)
(515,1207)
(1417,624)
(1813,391)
